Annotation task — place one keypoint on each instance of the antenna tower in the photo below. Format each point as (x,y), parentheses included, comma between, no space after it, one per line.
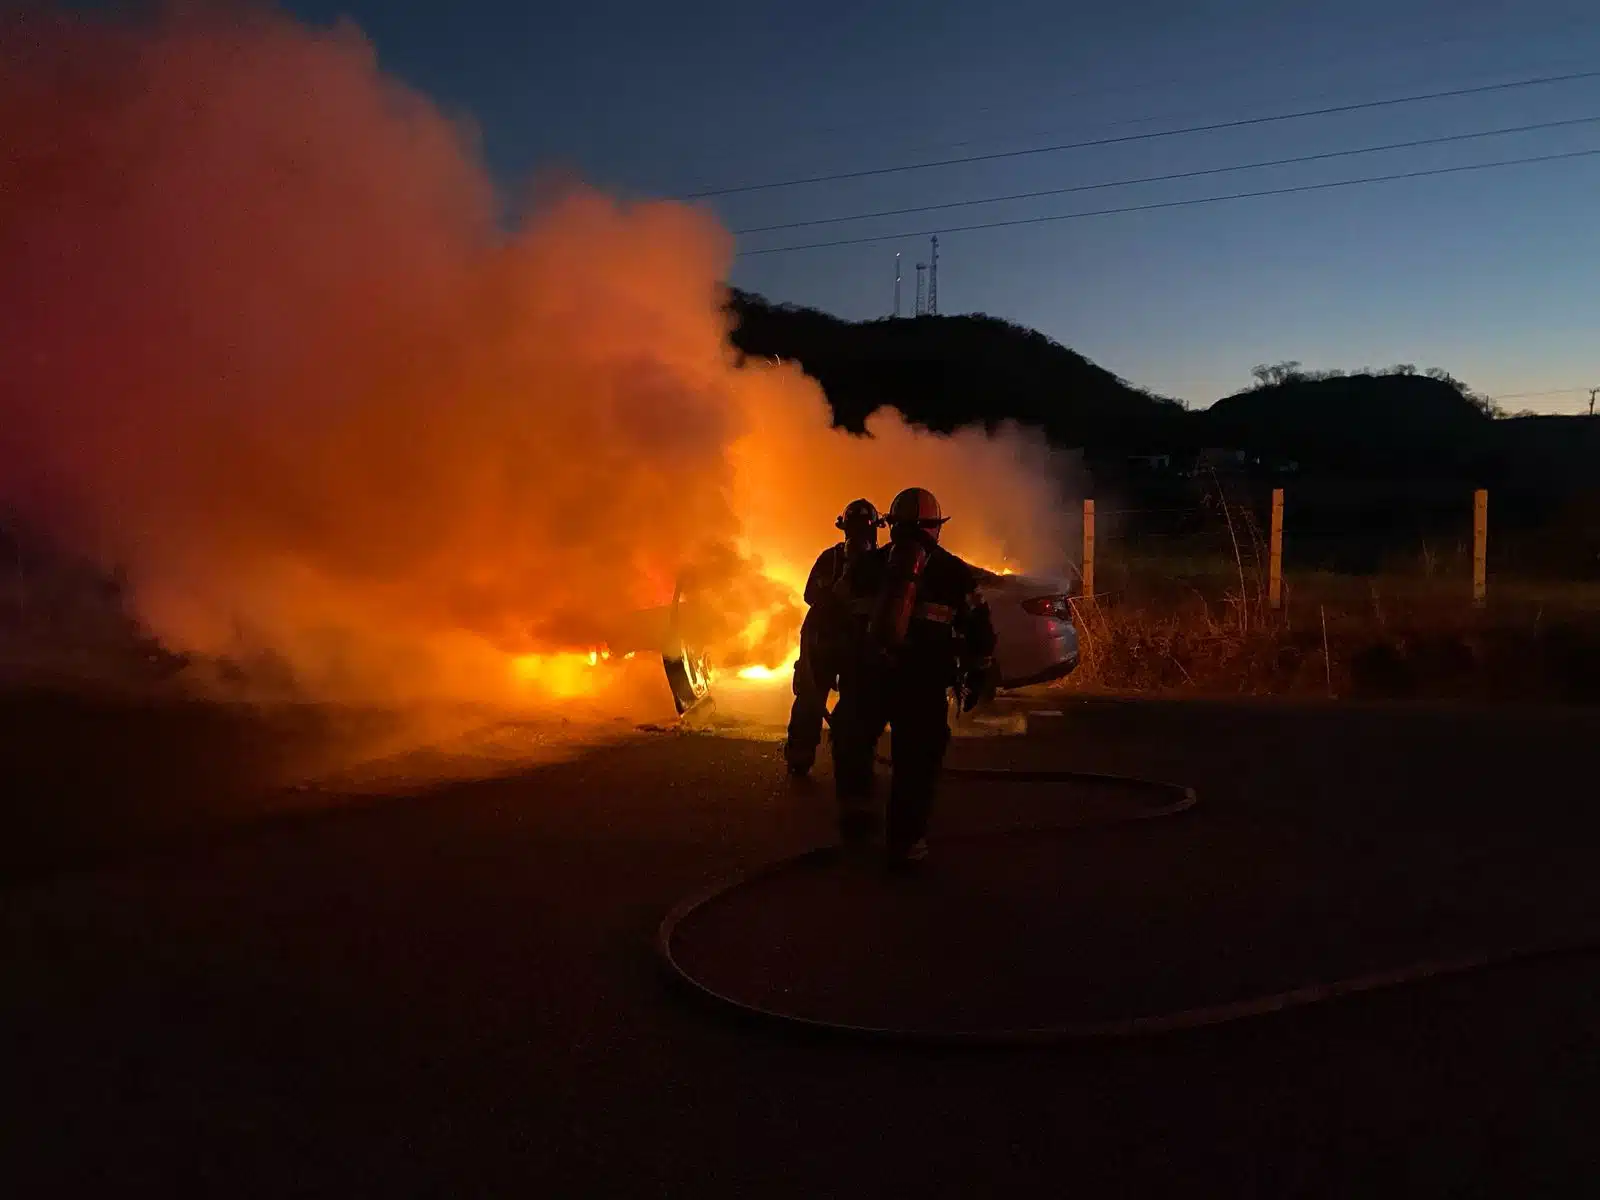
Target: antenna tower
(933,279)
(897,283)
(921,303)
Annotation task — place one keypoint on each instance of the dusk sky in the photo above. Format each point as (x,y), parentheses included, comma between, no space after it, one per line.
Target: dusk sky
(1491,274)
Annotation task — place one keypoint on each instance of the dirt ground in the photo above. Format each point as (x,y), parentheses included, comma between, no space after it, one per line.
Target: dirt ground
(453,993)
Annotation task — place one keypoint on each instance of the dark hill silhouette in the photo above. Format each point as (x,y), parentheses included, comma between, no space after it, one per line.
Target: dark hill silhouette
(946,372)
(1562,453)
(1385,424)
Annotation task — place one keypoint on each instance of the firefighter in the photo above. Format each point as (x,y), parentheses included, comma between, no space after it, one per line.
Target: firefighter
(824,633)
(929,631)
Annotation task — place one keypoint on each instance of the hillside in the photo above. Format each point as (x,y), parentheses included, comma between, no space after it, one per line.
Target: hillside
(945,372)
(1384,424)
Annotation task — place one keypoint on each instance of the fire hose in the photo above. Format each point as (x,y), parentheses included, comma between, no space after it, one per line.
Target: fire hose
(1173,800)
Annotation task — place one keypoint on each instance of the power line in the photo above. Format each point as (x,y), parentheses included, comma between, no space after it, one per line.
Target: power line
(1364,54)
(1196,174)
(1239,123)
(1534,395)
(1197,200)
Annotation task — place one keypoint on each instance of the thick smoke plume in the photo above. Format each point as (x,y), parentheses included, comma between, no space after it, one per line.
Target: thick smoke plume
(273,351)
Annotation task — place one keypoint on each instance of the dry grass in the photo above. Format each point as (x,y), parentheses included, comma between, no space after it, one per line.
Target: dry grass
(1386,648)
(1201,624)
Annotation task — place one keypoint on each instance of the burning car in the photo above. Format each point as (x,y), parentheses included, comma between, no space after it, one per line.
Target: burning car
(1036,640)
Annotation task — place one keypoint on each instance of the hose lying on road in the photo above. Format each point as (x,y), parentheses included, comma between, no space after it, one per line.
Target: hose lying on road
(1176,799)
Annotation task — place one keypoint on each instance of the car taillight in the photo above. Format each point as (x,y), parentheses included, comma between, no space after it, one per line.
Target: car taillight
(1054,607)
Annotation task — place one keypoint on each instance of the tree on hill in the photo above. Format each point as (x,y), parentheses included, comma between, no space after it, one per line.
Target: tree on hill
(1483,403)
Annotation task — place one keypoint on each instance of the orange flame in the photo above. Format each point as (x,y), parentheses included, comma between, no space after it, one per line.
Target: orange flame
(271,352)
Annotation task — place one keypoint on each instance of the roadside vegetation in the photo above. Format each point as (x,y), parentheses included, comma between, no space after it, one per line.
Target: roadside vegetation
(1200,623)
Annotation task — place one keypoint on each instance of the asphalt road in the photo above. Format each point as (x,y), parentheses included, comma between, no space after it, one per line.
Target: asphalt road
(453,993)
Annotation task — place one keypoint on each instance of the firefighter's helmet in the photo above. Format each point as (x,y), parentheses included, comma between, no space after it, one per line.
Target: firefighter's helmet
(859,514)
(917,506)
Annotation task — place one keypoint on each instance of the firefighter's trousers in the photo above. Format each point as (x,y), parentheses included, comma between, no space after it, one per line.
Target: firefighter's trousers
(914,706)
(816,672)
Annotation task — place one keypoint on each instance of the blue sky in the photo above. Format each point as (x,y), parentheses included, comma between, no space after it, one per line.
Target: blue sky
(1492,275)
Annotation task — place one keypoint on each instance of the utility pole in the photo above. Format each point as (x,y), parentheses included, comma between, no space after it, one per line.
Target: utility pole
(933,279)
(1593,392)
(896,283)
